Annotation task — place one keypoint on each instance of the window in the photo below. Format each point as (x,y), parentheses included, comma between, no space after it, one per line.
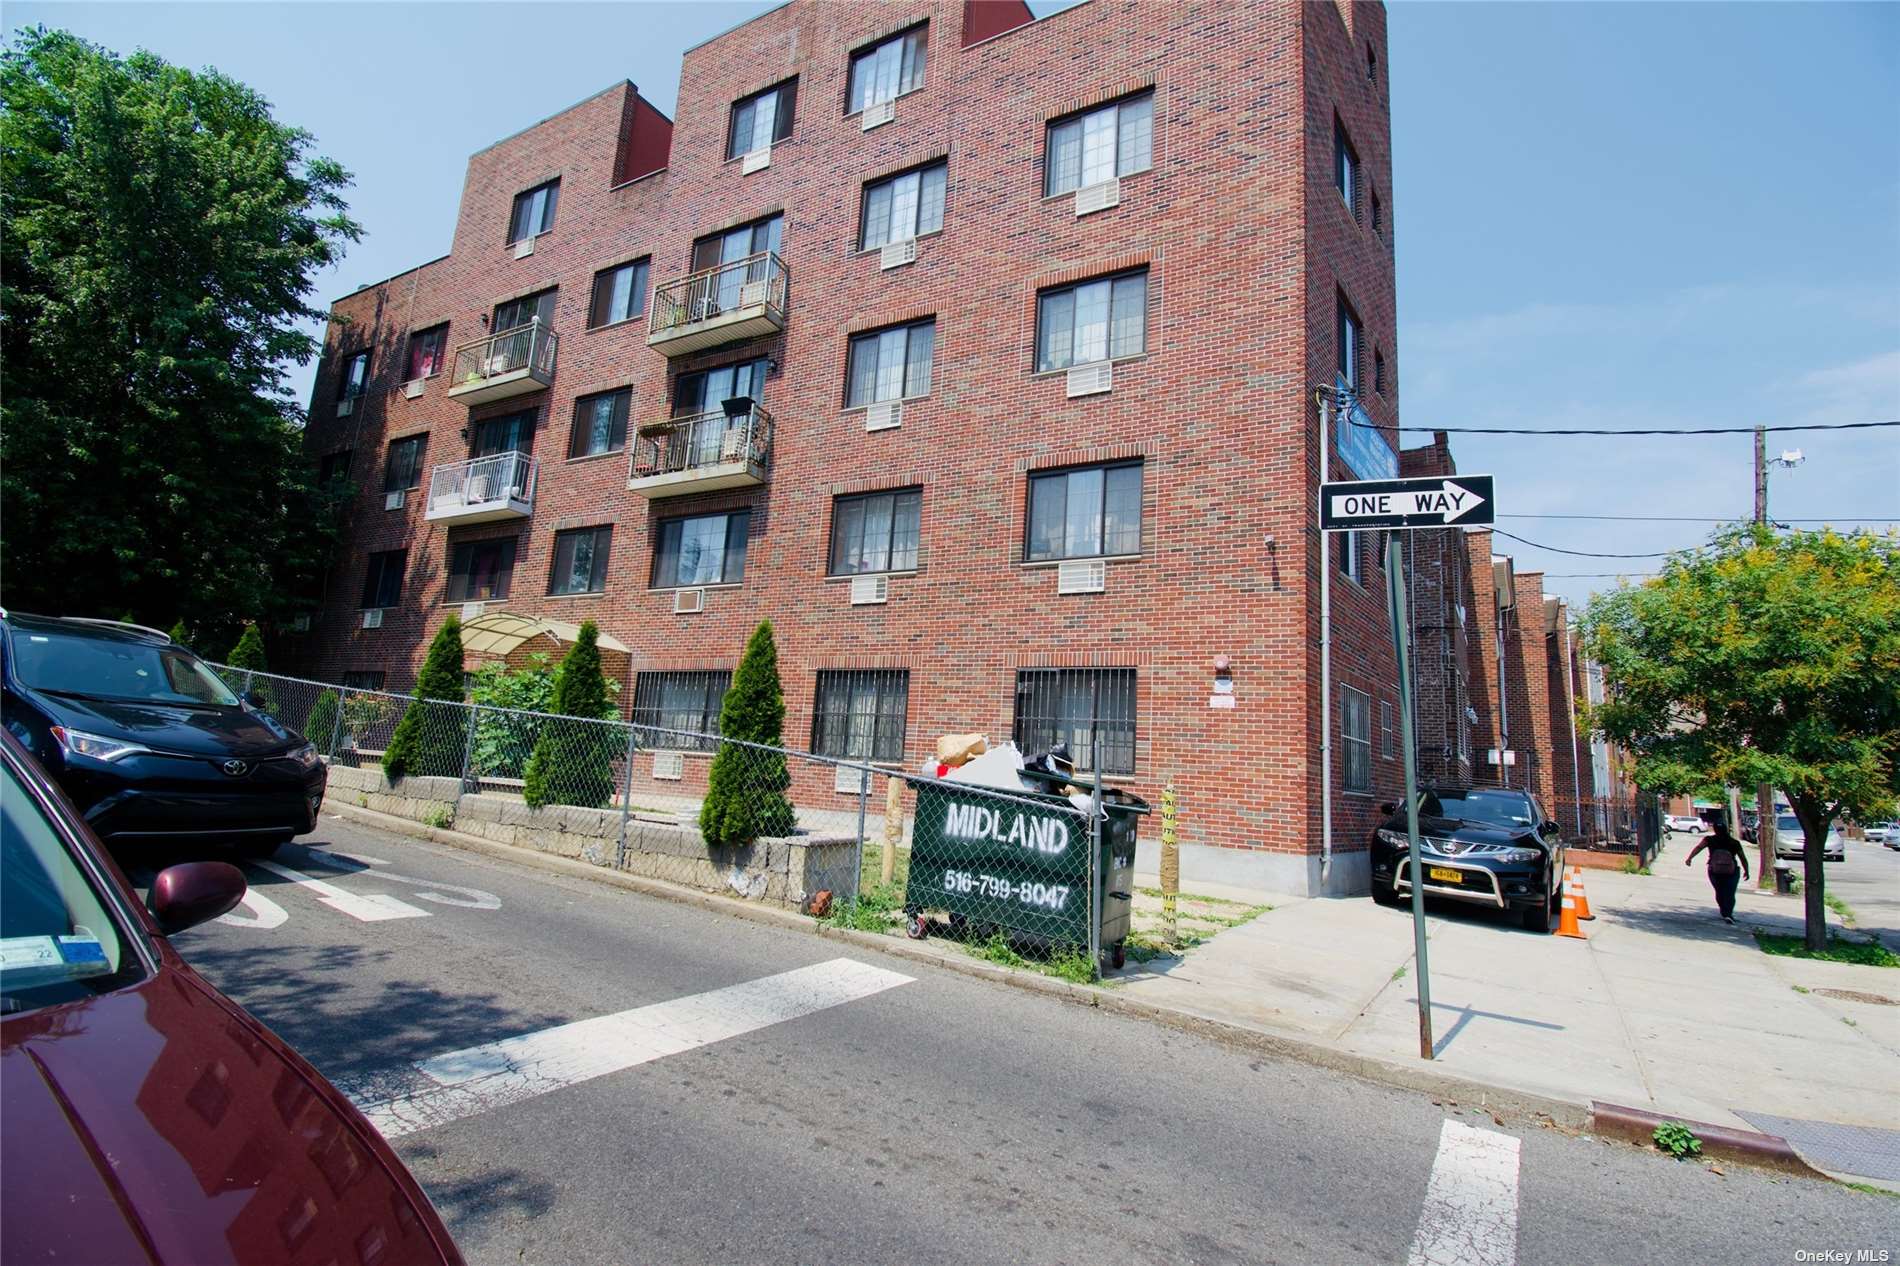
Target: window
(403,470)
(1346,168)
(1348,346)
(861,715)
(889,364)
(1100,144)
(518,312)
(355,377)
(735,244)
(760,119)
(707,390)
(1352,562)
(1355,732)
(363,679)
(1085,513)
(620,294)
(580,560)
(334,469)
(382,583)
(707,549)
(875,532)
(534,211)
(600,423)
(1095,321)
(681,701)
(887,70)
(1091,710)
(480,571)
(1386,748)
(1378,215)
(1378,372)
(903,206)
(510,433)
(426,348)
(1372,66)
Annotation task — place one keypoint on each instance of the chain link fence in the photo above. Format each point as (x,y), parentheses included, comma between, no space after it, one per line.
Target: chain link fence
(1039,874)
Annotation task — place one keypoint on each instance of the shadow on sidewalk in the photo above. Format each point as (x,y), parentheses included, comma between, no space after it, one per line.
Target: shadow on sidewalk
(1703,925)
(1467,1014)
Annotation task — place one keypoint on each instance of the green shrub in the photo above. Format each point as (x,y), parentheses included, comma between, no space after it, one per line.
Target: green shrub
(504,740)
(430,737)
(745,789)
(321,726)
(248,654)
(573,763)
(181,635)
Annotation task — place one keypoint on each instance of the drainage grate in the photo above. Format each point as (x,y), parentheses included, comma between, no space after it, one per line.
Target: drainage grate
(1847,1149)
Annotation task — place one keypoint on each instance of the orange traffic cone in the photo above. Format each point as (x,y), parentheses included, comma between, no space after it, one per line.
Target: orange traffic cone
(1567,918)
(1576,889)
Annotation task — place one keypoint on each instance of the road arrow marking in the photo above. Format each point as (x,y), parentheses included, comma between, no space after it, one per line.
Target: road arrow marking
(265,914)
(1470,1213)
(366,907)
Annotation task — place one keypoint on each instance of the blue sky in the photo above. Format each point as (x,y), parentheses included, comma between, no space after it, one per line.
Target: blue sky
(1613,215)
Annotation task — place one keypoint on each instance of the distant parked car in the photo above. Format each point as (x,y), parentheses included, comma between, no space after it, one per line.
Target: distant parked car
(148,1117)
(1686,822)
(1887,833)
(148,741)
(1789,841)
(1479,844)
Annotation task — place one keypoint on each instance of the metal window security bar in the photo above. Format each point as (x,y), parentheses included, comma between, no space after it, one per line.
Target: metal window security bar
(1092,710)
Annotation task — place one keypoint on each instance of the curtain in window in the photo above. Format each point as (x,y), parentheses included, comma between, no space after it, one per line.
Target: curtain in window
(1121,511)
(923,339)
(1091,323)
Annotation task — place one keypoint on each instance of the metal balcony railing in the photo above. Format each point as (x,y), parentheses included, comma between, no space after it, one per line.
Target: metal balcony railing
(482,488)
(506,363)
(711,443)
(742,299)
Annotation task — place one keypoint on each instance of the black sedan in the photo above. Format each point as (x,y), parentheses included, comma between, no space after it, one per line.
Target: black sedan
(147,741)
(1485,845)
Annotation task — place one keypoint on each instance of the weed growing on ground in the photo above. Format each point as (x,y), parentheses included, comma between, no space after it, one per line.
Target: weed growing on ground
(1677,1139)
(1834,903)
(873,911)
(441,817)
(1633,867)
(1799,988)
(1839,950)
(1872,1190)
(1399,972)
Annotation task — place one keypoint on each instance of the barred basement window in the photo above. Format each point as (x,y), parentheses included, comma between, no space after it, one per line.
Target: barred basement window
(688,702)
(363,679)
(861,715)
(1092,710)
(1355,733)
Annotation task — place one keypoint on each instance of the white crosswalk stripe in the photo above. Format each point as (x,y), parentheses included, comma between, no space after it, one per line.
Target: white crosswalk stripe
(1470,1214)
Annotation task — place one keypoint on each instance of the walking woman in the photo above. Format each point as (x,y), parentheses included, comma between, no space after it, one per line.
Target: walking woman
(1728,864)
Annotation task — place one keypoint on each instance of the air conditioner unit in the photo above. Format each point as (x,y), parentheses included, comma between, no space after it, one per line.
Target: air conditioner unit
(394,500)
(757,160)
(897,254)
(688,601)
(877,115)
(869,590)
(373,618)
(884,415)
(473,611)
(345,406)
(524,248)
(1085,576)
(850,781)
(1091,380)
(412,390)
(753,292)
(1098,197)
(669,765)
(300,624)
(732,447)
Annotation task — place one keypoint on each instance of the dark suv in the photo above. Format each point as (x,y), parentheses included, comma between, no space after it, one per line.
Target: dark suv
(1481,844)
(147,741)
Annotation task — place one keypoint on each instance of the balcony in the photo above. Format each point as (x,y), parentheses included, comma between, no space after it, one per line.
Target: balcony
(483,489)
(741,300)
(702,453)
(511,363)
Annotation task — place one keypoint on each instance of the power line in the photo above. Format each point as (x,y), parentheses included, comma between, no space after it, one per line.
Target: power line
(1682,518)
(1580,553)
(1688,430)
(1597,575)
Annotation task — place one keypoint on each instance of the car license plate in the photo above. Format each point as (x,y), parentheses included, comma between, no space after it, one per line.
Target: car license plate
(1446,874)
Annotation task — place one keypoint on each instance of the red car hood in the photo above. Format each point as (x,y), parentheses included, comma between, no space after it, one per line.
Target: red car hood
(155,1124)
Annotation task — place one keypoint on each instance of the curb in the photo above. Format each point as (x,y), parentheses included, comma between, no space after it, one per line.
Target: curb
(1638,1126)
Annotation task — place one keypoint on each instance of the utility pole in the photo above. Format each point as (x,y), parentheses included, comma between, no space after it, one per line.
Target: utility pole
(1764,794)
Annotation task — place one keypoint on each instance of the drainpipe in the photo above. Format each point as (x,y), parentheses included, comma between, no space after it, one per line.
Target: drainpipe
(1325,663)
(1504,709)
(1576,764)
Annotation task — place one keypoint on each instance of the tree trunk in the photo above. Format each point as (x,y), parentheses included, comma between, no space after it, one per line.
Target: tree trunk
(1765,836)
(1814,823)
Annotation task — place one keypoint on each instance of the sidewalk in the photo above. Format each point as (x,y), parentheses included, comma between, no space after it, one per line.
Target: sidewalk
(1663,1008)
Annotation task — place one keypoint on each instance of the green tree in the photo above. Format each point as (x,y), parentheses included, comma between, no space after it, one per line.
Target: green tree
(180,634)
(159,236)
(745,789)
(430,737)
(1762,657)
(573,764)
(248,654)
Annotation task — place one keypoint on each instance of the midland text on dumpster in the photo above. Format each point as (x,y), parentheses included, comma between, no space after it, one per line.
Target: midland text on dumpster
(976,824)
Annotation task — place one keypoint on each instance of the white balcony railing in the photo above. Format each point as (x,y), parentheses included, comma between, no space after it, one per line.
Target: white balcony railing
(741,300)
(510,363)
(700,453)
(483,489)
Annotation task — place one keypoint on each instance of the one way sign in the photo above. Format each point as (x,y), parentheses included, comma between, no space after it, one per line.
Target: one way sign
(1438,501)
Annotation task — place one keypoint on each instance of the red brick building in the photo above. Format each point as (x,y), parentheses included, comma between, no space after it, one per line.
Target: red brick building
(984,356)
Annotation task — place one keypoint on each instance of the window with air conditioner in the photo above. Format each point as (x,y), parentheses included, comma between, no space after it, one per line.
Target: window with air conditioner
(534,211)
(580,560)
(1091,710)
(600,423)
(1355,735)
(1100,320)
(1085,512)
(861,714)
(620,294)
(704,549)
(682,701)
(382,582)
(875,532)
(1099,144)
(481,571)
(888,69)
(428,350)
(354,380)
(760,120)
(402,472)
(902,207)
(891,364)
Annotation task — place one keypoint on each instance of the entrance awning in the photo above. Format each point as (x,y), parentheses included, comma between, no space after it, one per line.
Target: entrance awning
(501,632)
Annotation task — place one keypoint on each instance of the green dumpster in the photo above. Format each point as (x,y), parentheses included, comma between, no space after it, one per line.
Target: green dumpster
(1017,863)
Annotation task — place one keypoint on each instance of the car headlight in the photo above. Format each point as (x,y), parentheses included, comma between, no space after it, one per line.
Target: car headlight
(1518,856)
(94,746)
(1396,839)
(305,756)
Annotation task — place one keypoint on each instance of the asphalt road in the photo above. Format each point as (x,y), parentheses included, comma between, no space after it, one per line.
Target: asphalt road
(937,1119)
(1868,880)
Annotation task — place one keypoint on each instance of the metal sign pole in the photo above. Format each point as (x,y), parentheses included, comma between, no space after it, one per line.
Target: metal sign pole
(1395,597)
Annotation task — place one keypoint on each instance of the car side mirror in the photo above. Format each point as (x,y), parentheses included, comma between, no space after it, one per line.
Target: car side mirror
(253,699)
(191,893)
(1550,827)
(1388,808)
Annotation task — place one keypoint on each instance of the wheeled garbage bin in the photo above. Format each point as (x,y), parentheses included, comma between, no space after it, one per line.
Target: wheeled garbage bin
(1017,863)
